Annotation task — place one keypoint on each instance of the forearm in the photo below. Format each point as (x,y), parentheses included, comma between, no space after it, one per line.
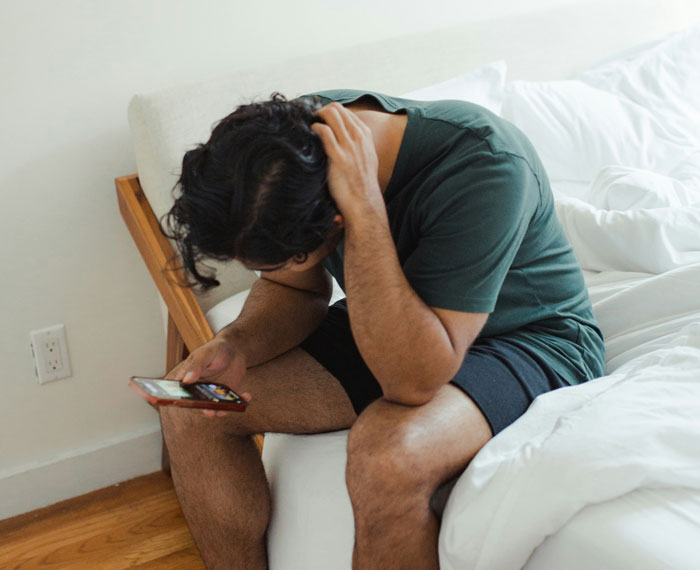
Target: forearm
(274,319)
(401,339)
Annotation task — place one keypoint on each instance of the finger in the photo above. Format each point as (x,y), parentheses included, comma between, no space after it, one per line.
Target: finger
(216,360)
(335,119)
(180,374)
(362,127)
(176,372)
(246,396)
(180,370)
(354,125)
(172,375)
(191,376)
(193,368)
(330,144)
(216,413)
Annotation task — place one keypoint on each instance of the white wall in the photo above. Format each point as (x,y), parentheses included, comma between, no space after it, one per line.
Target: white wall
(68,70)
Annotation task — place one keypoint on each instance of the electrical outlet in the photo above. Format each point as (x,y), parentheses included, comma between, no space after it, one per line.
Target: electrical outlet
(50,350)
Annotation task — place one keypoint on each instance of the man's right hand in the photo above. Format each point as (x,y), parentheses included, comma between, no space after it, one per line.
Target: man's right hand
(218,361)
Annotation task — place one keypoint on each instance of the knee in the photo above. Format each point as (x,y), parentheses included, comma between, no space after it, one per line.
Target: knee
(384,457)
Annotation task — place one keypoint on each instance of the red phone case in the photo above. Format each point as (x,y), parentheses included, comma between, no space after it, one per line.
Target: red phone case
(155,401)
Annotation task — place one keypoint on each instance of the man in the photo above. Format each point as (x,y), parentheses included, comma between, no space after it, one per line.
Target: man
(464,302)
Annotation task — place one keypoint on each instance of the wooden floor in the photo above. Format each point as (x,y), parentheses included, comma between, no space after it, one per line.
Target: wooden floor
(136,524)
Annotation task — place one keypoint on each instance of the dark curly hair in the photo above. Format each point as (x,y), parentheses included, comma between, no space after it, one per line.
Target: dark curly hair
(257,190)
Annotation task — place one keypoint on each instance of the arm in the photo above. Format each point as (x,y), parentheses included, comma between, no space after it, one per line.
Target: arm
(411,348)
(282,309)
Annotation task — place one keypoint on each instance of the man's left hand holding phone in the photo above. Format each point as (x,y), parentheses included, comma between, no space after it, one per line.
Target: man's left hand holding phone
(195,382)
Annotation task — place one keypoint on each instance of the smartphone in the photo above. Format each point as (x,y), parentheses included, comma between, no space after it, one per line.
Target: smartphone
(161,392)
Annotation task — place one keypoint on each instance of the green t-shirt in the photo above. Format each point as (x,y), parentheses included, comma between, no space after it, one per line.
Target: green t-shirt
(472,216)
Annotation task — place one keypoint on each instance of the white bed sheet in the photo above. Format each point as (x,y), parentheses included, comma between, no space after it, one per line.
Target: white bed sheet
(641,312)
(649,529)
(579,451)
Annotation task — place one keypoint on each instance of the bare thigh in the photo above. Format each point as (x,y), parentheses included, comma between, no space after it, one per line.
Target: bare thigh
(291,393)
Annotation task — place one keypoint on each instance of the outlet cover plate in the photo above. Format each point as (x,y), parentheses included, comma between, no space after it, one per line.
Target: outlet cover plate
(50,350)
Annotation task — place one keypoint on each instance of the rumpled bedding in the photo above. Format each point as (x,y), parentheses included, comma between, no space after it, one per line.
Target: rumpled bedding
(578,446)
(636,428)
(635,229)
(634,220)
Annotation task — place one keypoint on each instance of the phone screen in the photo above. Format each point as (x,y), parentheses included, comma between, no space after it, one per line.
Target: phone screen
(201,391)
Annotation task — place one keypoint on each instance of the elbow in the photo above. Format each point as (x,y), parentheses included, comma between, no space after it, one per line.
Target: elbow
(408,395)
(417,391)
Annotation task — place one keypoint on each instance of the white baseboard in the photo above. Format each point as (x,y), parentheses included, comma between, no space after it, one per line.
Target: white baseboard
(84,471)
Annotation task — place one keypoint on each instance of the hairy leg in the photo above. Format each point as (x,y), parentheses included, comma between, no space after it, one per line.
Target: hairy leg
(216,468)
(398,456)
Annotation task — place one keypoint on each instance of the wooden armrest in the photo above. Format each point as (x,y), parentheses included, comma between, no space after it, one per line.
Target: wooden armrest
(156,250)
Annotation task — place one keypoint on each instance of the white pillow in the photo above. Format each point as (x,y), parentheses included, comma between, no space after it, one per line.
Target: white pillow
(578,129)
(639,109)
(483,86)
(664,77)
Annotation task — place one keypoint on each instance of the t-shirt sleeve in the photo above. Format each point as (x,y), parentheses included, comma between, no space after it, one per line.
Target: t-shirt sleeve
(472,225)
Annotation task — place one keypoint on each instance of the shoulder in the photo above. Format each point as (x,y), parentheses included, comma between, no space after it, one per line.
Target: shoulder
(462,144)
(482,180)
(449,114)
